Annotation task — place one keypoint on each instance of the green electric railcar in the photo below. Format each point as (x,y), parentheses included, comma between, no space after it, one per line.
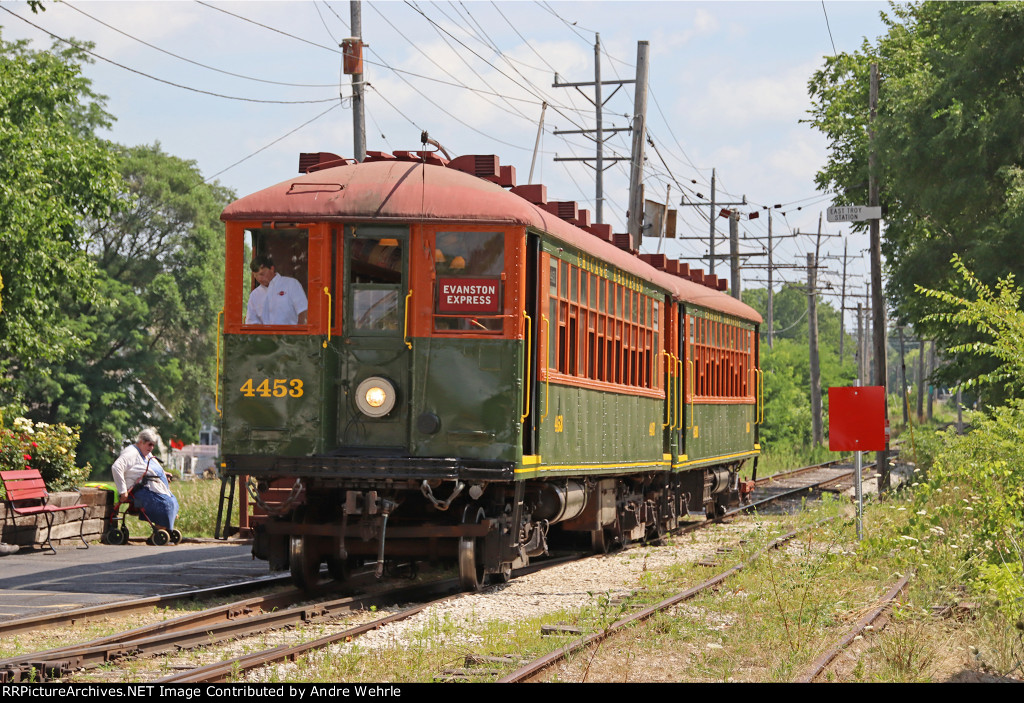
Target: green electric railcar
(449,366)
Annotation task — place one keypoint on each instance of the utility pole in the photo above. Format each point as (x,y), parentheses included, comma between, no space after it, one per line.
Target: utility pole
(636,171)
(920,381)
(712,219)
(903,372)
(712,215)
(734,252)
(877,293)
(598,102)
(536,144)
(812,333)
(771,293)
(842,308)
(358,108)
(860,345)
(931,370)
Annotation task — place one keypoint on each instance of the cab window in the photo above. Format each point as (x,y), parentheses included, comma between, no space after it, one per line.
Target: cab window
(375,275)
(275,277)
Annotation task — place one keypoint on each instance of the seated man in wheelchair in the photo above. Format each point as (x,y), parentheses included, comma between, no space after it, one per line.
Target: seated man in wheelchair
(139,473)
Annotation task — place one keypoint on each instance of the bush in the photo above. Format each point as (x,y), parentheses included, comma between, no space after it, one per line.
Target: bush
(971,499)
(48,448)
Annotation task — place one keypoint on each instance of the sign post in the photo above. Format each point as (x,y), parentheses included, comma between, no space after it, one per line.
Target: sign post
(856,422)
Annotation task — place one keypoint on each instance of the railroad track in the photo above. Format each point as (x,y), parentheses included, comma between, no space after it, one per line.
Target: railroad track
(265,613)
(531,670)
(204,628)
(833,476)
(9,628)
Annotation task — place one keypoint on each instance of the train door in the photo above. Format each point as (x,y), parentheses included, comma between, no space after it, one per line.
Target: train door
(373,354)
(531,421)
(688,379)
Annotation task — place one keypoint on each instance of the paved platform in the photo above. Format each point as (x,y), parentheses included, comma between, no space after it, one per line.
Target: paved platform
(36,582)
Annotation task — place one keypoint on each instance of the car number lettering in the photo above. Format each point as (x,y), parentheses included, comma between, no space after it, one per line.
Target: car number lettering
(277,388)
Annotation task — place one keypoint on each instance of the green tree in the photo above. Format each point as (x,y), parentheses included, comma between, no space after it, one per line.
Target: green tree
(151,329)
(950,147)
(996,317)
(54,174)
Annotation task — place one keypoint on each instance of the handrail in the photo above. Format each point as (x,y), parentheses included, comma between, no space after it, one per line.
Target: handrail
(668,392)
(405,327)
(760,384)
(547,370)
(330,302)
(693,387)
(679,395)
(216,388)
(526,361)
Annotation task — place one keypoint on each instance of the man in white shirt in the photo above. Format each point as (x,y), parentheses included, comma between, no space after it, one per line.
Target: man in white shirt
(277,300)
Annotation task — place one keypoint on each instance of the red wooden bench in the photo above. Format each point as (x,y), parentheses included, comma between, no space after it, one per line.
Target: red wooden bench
(26,495)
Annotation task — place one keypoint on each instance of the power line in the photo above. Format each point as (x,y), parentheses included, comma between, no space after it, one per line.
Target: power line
(267,146)
(272,29)
(77,9)
(834,52)
(161,80)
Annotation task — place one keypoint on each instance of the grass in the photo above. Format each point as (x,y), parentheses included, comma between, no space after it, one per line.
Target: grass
(198,502)
(786,457)
(766,624)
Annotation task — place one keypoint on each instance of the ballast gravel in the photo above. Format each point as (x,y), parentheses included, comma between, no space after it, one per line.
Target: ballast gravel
(564,587)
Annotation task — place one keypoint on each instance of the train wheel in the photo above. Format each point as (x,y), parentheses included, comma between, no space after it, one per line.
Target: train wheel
(338,568)
(599,541)
(471,565)
(502,576)
(304,560)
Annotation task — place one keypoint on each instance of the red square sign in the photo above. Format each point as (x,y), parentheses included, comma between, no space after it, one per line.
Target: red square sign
(856,418)
(477,296)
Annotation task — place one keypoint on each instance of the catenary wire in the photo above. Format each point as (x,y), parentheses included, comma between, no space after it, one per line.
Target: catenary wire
(161,80)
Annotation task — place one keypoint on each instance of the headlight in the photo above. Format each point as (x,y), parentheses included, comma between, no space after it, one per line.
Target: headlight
(375,397)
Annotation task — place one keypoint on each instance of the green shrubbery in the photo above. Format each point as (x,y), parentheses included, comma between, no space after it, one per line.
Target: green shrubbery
(970,501)
(37,445)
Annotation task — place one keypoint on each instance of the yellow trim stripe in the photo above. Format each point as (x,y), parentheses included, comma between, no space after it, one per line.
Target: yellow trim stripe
(716,458)
(586,467)
(531,459)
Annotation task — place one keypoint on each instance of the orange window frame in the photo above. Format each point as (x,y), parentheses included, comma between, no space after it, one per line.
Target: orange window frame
(423,283)
(318,273)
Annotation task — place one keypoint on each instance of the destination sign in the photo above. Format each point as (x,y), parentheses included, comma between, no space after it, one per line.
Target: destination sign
(472,295)
(854,213)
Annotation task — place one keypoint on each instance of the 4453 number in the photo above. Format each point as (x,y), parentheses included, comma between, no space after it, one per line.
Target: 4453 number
(277,388)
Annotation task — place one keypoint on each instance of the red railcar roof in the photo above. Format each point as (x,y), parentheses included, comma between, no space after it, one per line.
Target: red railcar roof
(404,191)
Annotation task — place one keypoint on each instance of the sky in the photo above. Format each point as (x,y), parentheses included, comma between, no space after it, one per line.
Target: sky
(241,88)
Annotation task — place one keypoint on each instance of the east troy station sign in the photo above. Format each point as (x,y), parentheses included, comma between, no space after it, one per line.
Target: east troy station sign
(854,213)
